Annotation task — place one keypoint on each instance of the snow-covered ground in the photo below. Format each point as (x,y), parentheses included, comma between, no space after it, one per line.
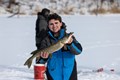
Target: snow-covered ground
(99,36)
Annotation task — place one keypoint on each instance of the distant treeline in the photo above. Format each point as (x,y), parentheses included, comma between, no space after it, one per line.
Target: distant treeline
(63,6)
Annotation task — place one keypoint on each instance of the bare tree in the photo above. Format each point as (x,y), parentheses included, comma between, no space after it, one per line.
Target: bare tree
(11,2)
(118,3)
(97,4)
(102,1)
(83,1)
(112,1)
(1,1)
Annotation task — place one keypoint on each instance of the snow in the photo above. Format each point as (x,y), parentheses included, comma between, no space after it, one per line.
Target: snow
(99,36)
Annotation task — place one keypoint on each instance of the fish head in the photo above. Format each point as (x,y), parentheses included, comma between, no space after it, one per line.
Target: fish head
(66,38)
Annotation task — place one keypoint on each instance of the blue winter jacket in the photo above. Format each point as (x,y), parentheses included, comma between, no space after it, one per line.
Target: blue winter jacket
(60,65)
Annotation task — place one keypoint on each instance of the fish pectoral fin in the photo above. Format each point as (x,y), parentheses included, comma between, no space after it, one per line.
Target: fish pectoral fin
(33,52)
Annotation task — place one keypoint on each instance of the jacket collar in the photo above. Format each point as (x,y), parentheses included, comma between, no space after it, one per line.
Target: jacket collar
(61,34)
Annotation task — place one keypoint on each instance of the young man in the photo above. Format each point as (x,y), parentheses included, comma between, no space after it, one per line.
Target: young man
(62,64)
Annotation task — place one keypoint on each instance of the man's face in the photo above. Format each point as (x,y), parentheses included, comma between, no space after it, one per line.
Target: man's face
(54,25)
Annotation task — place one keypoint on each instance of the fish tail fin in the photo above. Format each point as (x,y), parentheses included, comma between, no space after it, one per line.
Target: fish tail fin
(28,62)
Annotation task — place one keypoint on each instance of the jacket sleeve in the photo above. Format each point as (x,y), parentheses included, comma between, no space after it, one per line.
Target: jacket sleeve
(75,47)
(40,60)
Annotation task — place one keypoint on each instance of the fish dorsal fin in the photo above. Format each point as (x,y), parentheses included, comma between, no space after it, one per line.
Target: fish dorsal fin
(34,52)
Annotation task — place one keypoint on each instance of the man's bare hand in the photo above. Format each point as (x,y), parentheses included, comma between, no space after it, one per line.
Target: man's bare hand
(70,40)
(44,54)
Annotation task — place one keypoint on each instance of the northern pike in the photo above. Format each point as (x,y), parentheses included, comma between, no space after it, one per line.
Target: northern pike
(50,49)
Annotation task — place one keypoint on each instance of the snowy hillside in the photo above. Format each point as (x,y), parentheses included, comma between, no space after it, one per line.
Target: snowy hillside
(99,36)
(66,7)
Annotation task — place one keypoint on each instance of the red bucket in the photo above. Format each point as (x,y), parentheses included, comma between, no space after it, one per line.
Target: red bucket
(39,70)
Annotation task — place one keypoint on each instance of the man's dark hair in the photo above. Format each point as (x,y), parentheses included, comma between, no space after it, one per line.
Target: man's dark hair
(54,16)
(57,17)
